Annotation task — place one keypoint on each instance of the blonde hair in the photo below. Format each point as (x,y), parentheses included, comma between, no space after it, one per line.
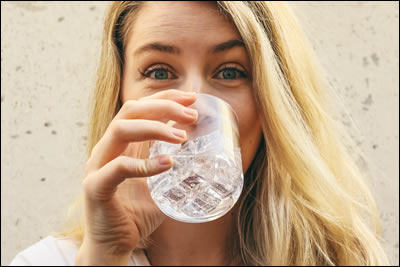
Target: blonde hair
(305,201)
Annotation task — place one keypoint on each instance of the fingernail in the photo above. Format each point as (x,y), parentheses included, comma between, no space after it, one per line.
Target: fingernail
(190,112)
(179,133)
(164,160)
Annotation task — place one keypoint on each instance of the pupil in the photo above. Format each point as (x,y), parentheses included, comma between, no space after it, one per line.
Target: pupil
(229,74)
(161,74)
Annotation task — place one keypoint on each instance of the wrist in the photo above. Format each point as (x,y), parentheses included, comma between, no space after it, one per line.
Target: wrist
(95,254)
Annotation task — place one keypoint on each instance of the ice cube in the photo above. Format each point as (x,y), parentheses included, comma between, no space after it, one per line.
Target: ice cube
(192,182)
(223,170)
(224,190)
(191,209)
(203,165)
(208,143)
(188,147)
(207,207)
(161,147)
(182,167)
(208,201)
(174,194)
(157,180)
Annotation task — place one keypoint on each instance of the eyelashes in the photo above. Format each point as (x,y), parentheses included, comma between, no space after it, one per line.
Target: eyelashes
(230,73)
(162,72)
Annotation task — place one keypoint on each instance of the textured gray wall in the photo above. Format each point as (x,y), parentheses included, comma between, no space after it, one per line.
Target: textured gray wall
(49,52)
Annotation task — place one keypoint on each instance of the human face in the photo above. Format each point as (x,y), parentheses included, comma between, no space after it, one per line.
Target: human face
(189,46)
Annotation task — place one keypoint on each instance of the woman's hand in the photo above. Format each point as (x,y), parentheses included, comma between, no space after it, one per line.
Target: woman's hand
(118,208)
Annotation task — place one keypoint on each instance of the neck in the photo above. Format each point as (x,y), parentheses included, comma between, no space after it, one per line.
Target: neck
(178,243)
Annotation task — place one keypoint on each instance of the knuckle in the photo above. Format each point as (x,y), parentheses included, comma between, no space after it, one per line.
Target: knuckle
(142,168)
(131,106)
(90,165)
(117,127)
(91,186)
(123,165)
(128,109)
(87,184)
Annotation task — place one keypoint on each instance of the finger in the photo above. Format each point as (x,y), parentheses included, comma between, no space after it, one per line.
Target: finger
(121,132)
(126,131)
(102,184)
(157,109)
(181,97)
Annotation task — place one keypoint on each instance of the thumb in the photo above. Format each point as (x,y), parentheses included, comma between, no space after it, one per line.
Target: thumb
(103,183)
(153,166)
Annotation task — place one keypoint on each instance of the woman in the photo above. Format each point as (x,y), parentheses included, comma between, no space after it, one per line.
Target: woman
(304,199)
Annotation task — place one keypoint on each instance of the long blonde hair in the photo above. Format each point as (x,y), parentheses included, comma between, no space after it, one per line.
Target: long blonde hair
(305,201)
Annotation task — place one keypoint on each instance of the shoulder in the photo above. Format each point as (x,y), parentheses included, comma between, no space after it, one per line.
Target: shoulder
(48,251)
(55,251)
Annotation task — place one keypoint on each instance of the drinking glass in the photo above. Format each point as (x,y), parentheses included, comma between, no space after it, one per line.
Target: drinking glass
(206,179)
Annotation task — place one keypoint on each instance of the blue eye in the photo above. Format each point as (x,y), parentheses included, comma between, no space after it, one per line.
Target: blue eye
(157,73)
(231,73)
(161,74)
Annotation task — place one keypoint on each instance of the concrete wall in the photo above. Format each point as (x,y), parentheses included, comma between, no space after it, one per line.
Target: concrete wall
(49,52)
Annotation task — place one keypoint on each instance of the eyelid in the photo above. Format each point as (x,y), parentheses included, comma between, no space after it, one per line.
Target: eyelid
(158,66)
(149,70)
(232,66)
(237,67)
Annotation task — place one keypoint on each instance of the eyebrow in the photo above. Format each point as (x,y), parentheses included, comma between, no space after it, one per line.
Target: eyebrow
(170,49)
(227,45)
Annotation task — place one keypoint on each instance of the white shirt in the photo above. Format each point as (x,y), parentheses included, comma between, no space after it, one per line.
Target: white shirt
(52,251)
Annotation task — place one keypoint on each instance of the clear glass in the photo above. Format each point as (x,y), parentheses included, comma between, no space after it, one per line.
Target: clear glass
(206,179)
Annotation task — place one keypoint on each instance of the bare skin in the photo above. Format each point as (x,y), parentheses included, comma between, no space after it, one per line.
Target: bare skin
(118,207)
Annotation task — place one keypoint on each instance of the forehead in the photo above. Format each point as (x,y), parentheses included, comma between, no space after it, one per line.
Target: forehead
(194,23)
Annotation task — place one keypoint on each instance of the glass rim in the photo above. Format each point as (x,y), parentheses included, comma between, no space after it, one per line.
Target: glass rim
(223,101)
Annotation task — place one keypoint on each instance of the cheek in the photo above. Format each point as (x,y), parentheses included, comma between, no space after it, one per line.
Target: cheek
(126,88)
(130,88)
(250,132)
